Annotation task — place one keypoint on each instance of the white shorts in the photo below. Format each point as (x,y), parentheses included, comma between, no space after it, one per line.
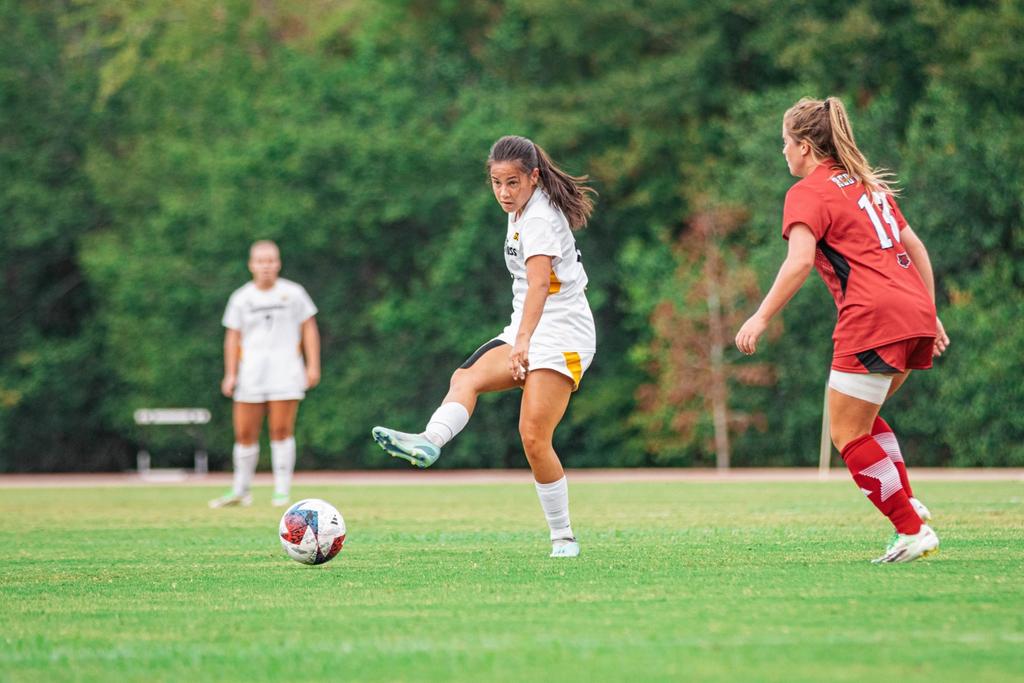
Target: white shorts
(264,376)
(572,364)
(873,387)
(251,396)
(569,363)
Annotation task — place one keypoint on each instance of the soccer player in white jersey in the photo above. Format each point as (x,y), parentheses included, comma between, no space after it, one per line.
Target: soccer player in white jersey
(271,358)
(550,340)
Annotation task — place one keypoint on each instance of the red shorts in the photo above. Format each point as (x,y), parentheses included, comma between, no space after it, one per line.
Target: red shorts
(909,354)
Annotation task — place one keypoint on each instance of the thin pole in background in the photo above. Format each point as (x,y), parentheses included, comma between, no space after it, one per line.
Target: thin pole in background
(825,451)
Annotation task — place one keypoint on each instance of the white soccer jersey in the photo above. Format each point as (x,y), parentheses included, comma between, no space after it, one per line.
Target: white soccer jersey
(270,323)
(567,324)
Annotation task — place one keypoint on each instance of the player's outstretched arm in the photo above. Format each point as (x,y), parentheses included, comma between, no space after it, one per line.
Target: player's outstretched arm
(792,274)
(538,281)
(232,353)
(311,351)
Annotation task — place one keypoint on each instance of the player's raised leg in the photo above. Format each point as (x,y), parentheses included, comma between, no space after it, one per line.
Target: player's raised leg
(281,422)
(854,402)
(485,371)
(545,398)
(886,438)
(247,419)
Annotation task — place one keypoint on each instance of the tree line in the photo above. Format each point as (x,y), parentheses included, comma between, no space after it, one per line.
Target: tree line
(143,147)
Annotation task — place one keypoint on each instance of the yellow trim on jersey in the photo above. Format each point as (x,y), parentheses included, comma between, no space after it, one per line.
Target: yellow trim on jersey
(575,365)
(556,285)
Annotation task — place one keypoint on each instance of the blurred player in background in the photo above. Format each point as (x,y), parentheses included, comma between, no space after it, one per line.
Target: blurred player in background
(271,357)
(842,218)
(549,342)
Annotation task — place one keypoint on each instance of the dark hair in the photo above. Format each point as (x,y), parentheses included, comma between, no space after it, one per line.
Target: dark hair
(569,193)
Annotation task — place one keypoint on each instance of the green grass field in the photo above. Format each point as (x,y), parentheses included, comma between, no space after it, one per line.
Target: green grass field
(677,581)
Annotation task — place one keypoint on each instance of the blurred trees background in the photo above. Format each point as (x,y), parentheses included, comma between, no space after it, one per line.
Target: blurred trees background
(144,146)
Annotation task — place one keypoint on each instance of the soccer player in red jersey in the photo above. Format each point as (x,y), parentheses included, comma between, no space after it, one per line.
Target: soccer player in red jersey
(842,219)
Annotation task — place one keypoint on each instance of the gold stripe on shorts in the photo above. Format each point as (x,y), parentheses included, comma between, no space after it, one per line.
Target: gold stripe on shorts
(572,361)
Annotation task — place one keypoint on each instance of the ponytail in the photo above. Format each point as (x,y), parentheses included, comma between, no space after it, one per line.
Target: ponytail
(825,126)
(569,193)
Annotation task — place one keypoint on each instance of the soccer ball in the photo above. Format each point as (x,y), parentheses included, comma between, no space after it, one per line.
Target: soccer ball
(312,531)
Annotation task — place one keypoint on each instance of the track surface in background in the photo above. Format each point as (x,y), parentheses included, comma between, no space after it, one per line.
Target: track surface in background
(766,581)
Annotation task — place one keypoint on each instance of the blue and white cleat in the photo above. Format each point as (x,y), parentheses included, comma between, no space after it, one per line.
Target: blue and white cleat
(565,547)
(415,448)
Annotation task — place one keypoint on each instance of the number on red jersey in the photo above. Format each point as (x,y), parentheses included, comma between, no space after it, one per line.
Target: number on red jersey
(887,216)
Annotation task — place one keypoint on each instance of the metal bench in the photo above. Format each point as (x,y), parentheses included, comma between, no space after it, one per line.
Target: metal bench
(190,418)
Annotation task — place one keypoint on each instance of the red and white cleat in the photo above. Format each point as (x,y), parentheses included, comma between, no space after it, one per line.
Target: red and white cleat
(909,547)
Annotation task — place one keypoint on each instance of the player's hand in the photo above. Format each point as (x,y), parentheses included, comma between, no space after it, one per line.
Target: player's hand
(941,339)
(519,360)
(746,338)
(312,377)
(227,385)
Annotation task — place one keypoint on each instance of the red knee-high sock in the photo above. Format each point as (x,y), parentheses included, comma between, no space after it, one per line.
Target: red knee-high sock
(887,440)
(877,477)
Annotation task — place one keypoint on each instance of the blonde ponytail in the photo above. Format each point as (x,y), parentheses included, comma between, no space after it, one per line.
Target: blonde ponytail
(824,125)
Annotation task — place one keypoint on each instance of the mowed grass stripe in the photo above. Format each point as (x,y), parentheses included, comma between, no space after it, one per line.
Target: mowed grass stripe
(758,581)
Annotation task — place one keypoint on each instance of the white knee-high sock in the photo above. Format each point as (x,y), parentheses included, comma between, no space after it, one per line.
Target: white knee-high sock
(282,459)
(245,459)
(447,421)
(554,499)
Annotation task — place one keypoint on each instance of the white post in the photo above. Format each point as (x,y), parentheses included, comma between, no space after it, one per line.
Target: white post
(719,388)
(202,462)
(825,451)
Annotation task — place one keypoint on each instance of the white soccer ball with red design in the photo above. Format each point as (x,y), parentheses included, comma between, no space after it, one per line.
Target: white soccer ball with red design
(312,531)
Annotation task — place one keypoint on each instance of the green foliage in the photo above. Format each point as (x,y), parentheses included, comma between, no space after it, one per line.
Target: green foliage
(145,145)
(52,354)
(970,418)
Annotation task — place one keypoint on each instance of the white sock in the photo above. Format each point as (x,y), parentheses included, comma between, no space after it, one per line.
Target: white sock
(447,421)
(282,459)
(245,458)
(554,499)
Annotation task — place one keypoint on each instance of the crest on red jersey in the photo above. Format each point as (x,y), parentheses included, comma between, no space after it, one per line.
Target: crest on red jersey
(903,258)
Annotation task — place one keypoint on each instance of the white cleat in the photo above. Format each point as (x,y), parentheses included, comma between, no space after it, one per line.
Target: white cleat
(280,500)
(415,448)
(230,499)
(923,512)
(565,547)
(909,547)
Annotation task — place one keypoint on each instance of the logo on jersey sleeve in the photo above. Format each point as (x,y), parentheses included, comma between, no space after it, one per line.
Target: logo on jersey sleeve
(903,258)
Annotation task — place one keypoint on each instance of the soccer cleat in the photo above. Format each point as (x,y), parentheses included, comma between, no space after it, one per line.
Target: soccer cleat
(565,547)
(909,547)
(280,500)
(231,499)
(415,448)
(923,512)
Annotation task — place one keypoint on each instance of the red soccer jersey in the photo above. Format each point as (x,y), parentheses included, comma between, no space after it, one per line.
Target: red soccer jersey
(879,293)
